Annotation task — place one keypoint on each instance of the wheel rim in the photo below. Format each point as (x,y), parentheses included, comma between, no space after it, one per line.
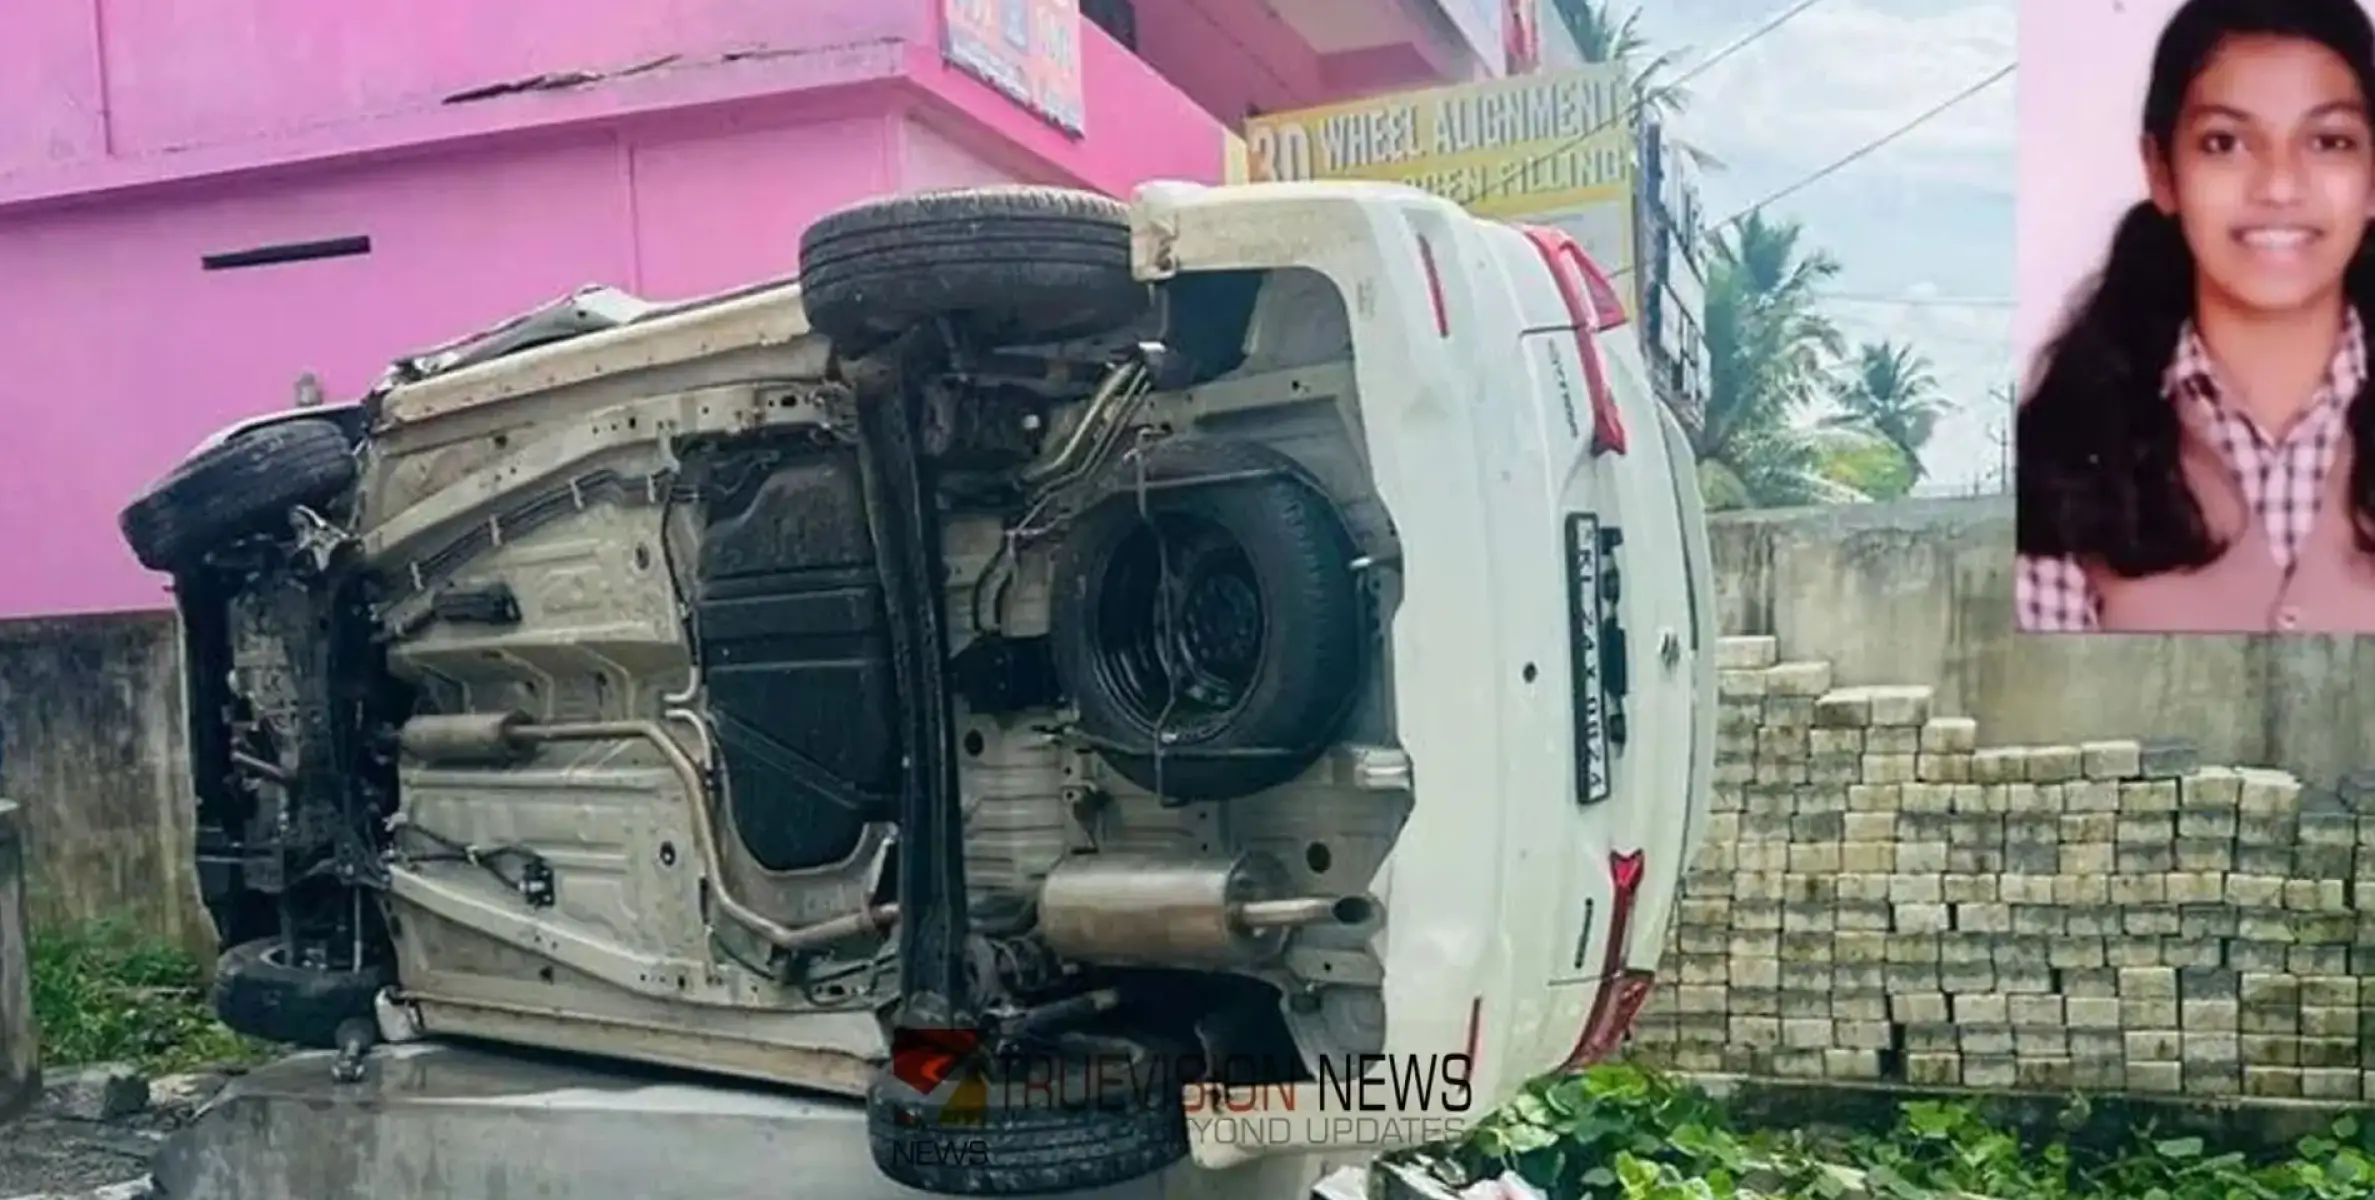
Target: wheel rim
(278,955)
(1180,630)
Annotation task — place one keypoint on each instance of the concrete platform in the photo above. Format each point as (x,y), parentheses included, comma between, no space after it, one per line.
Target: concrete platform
(439,1122)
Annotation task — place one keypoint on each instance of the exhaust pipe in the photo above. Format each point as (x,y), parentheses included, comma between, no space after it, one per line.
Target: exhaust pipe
(1144,911)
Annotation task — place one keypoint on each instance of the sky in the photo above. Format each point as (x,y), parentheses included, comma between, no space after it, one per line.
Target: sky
(1922,228)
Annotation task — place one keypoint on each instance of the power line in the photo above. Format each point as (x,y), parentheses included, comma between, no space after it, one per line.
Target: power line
(1518,170)
(1969,302)
(1867,148)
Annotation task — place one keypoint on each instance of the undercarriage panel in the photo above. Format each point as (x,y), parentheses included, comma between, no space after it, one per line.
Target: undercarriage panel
(795,657)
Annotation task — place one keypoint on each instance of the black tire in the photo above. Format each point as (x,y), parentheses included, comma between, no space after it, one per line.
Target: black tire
(1033,1134)
(1274,616)
(257,993)
(241,486)
(1012,265)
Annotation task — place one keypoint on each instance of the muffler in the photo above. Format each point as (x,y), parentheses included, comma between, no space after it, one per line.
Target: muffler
(1139,910)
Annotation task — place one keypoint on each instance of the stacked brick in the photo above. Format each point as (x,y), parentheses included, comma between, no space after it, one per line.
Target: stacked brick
(1880,898)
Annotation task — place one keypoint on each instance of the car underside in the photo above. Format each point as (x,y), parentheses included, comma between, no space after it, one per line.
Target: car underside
(972,654)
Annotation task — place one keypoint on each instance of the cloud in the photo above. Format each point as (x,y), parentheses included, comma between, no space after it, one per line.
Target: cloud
(1847,72)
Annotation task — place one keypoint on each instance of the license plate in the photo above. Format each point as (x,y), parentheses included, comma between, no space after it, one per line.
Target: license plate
(1583,639)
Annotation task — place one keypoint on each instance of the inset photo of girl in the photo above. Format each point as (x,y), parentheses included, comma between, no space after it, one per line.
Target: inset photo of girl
(2195,445)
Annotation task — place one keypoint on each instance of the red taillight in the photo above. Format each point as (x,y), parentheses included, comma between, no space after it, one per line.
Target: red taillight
(1606,304)
(1621,998)
(1426,258)
(1593,308)
(1562,251)
(1622,990)
(1626,870)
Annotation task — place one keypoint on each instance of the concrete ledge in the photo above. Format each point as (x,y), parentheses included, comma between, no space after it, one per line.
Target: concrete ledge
(440,1120)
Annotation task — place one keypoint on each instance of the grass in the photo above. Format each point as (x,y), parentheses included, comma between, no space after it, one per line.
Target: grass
(105,993)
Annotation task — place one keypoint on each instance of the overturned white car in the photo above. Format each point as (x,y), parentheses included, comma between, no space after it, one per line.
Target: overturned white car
(1252,635)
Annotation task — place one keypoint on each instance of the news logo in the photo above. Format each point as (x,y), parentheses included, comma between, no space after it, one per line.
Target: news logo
(948,1069)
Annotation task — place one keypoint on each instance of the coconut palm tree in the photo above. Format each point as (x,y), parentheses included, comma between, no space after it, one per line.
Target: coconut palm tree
(1606,37)
(1769,348)
(1891,394)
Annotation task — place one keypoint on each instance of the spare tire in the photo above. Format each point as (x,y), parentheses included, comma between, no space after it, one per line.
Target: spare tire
(1243,683)
(243,485)
(1011,265)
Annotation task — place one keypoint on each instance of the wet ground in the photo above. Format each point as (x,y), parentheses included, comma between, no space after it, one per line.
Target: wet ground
(51,1153)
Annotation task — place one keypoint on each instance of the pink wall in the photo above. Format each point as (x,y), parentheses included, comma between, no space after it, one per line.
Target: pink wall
(178,74)
(2083,70)
(124,353)
(100,94)
(128,354)
(1229,55)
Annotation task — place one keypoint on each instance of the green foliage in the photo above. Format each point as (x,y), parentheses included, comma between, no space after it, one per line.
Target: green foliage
(1871,466)
(1769,348)
(103,993)
(1890,394)
(1623,1132)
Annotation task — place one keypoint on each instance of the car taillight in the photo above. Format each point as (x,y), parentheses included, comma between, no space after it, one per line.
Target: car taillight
(1621,997)
(1426,258)
(1592,308)
(1622,990)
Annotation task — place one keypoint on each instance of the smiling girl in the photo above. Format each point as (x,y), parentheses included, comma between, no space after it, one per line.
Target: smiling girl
(2197,445)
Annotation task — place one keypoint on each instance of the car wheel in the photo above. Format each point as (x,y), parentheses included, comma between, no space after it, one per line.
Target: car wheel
(240,486)
(259,993)
(1210,628)
(1011,265)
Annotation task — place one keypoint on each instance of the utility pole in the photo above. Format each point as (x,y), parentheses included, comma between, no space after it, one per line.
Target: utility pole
(2003,410)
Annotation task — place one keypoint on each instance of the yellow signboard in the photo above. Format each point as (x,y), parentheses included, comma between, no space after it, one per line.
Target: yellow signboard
(1518,147)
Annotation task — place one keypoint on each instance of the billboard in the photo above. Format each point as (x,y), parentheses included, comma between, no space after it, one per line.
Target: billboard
(1555,148)
(1672,283)
(1028,49)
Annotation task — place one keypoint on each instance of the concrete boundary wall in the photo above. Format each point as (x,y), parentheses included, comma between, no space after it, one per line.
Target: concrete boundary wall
(1921,593)
(91,747)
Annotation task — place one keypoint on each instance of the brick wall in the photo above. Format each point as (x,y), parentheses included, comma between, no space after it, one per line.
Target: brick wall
(1885,897)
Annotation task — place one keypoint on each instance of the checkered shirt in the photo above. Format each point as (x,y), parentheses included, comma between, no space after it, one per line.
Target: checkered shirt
(2282,481)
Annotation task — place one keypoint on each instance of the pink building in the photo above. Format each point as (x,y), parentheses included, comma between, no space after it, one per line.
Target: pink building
(428,166)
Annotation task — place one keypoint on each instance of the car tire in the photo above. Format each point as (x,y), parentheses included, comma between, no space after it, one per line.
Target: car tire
(1271,623)
(1030,1136)
(1010,265)
(256,992)
(243,485)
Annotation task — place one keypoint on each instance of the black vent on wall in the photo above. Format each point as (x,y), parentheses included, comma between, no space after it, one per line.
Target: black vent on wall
(286,252)
(1117,18)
